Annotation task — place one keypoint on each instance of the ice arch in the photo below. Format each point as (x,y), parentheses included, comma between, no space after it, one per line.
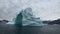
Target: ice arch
(26,18)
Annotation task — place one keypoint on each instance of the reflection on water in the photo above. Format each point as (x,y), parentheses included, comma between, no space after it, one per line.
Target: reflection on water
(49,29)
(18,30)
(13,29)
(27,30)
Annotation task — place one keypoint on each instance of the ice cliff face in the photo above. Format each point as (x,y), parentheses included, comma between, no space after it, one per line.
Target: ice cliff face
(29,18)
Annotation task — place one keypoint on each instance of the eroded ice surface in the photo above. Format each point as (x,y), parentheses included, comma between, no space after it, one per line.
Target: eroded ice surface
(26,17)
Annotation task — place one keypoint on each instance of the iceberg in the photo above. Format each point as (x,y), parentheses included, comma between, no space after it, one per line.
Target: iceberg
(26,18)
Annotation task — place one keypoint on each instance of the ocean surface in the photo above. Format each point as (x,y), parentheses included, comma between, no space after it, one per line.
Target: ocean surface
(12,29)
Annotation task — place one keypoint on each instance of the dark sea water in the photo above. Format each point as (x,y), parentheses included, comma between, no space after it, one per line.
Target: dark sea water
(12,29)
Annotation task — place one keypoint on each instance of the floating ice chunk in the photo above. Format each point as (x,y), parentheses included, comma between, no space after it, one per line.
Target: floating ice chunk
(25,18)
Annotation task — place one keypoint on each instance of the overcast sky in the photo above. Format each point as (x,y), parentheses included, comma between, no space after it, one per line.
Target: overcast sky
(45,9)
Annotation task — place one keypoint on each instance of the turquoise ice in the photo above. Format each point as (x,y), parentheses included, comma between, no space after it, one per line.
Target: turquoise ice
(26,18)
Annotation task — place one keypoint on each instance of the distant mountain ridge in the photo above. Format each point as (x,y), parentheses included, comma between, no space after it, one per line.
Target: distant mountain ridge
(52,22)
